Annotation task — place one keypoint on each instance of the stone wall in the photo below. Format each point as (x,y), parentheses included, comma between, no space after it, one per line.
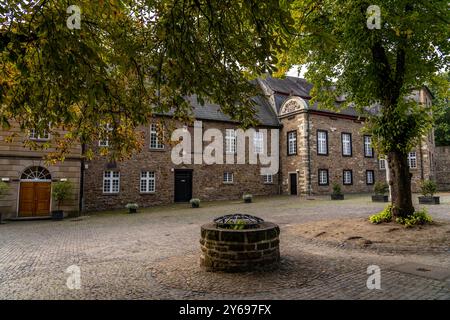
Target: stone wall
(239,250)
(207,179)
(443,168)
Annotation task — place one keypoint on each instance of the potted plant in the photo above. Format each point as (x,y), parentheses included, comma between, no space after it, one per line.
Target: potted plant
(3,191)
(132,207)
(380,189)
(428,189)
(195,203)
(337,193)
(60,192)
(247,198)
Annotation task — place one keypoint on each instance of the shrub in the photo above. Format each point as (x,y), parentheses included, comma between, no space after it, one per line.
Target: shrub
(61,191)
(240,224)
(380,188)
(132,206)
(3,189)
(195,202)
(337,189)
(247,197)
(428,188)
(417,218)
(383,216)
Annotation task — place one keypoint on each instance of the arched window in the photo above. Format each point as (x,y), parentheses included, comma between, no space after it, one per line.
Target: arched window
(36,173)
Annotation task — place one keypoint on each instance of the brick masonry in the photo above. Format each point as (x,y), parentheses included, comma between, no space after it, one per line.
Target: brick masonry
(239,250)
(443,168)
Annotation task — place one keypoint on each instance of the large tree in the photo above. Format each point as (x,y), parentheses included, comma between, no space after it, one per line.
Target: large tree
(441,106)
(375,67)
(129,60)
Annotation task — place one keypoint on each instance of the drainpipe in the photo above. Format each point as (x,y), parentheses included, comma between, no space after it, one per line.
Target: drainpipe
(421,160)
(82,163)
(309,152)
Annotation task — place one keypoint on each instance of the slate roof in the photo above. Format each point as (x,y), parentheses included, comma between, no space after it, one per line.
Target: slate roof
(292,86)
(210,111)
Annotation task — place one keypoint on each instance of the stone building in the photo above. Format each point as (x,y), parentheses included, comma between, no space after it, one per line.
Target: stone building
(30,179)
(315,149)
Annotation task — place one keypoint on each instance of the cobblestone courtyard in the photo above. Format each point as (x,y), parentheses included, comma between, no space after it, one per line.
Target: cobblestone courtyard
(155,255)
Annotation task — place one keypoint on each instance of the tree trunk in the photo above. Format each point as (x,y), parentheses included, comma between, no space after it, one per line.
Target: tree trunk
(400,182)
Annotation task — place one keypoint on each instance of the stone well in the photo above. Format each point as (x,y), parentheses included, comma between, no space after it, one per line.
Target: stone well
(232,250)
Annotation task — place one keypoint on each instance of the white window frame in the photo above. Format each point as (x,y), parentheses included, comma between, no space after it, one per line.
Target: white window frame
(382,163)
(345,176)
(147,182)
(370,173)
(292,143)
(323,182)
(412,160)
(346,142)
(368,150)
(258,142)
(322,142)
(268,178)
(230,141)
(109,180)
(32,135)
(155,139)
(228,177)
(105,143)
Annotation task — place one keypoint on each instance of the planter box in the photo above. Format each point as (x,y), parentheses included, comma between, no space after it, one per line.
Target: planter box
(132,210)
(337,197)
(429,200)
(248,200)
(57,215)
(380,198)
(195,205)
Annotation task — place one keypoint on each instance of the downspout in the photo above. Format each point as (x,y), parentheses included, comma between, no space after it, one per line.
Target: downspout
(82,169)
(421,160)
(309,152)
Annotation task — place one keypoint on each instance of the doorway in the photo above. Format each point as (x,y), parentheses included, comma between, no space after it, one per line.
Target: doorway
(183,185)
(293,183)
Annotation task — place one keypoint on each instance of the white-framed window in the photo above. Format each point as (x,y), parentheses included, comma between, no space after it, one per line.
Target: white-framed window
(370,177)
(323,177)
(268,178)
(382,163)
(35,136)
(111,182)
(322,142)
(105,141)
(147,182)
(292,142)
(230,141)
(348,177)
(258,144)
(346,144)
(228,177)
(412,160)
(155,137)
(368,150)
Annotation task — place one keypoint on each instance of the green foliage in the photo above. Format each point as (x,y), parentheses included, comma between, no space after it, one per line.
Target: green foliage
(3,189)
(383,216)
(337,189)
(247,197)
(132,206)
(417,218)
(239,225)
(380,188)
(428,188)
(61,191)
(441,106)
(195,202)
(131,60)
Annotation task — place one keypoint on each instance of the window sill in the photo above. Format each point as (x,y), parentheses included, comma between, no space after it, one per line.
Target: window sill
(144,193)
(227,182)
(110,193)
(157,149)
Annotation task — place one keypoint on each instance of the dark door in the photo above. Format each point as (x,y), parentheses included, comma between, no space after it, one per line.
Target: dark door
(183,185)
(293,183)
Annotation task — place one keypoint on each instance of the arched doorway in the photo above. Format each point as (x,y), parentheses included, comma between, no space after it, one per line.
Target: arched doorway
(35,192)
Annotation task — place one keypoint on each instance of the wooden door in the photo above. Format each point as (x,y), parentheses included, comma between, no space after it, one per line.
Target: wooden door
(34,199)
(293,183)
